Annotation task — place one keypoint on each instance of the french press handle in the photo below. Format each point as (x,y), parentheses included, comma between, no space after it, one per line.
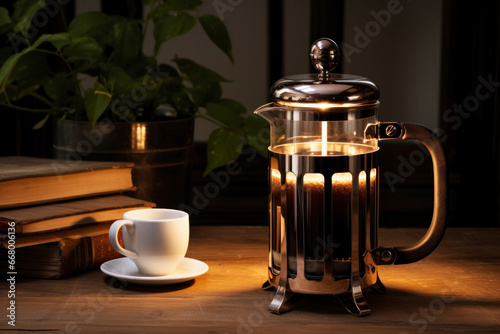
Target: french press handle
(435,232)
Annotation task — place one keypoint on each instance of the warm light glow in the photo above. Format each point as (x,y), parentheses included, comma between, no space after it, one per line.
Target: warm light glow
(346,177)
(342,178)
(362,179)
(139,136)
(322,106)
(342,184)
(314,178)
(276,177)
(339,180)
(324,138)
(305,88)
(318,148)
(275,174)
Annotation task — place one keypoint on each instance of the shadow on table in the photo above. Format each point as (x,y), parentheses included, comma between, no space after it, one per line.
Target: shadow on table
(393,301)
(122,285)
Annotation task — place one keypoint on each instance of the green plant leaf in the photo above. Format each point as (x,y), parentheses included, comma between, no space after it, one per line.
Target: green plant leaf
(140,64)
(83,48)
(24,11)
(5,21)
(41,123)
(223,147)
(59,40)
(148,2)
(217,32)
(256,132)
(196,73)
(167,71)
(168,27)
(227,112)
(205,82)
(60,87)
(127,40)
(96,100)
(205,92)
(95,24)
(10,63)
(6,68)
(168,6)
(25,77)
(5,53)
(123,82)
(181,102)
(234,106)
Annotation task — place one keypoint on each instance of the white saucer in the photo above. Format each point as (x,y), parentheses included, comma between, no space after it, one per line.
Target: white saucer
(126,270)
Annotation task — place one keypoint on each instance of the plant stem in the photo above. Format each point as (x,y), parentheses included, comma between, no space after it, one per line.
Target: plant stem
(56,54)
(2,88)
(26,39)
(26,109)
(6,96)
(145,29)
(43,99)
(145,26)
(59,52)
(210,119)
(63,19)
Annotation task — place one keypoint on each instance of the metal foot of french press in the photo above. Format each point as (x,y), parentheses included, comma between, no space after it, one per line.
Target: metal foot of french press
(281,300)
(354,300)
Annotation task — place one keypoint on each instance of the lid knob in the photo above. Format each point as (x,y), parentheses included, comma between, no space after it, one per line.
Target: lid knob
(325,55)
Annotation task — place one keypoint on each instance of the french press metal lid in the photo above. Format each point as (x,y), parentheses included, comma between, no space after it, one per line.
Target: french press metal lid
(335,89)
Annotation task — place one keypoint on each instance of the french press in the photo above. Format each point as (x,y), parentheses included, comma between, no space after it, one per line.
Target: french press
(324,185)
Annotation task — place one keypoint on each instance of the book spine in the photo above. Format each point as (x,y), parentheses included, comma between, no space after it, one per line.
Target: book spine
(63,258)
(5,224)
(88,254)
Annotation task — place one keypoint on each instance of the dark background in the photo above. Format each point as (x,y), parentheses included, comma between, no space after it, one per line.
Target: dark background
(470,48)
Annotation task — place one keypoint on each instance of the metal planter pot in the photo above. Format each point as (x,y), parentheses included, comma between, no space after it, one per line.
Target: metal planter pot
(161,152)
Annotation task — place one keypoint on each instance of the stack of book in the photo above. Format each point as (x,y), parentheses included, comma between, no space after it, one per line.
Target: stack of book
(56,213)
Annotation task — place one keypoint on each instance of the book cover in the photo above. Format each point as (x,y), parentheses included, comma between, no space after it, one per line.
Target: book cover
(53,236)
(64,258)
(28,181)
(69,214)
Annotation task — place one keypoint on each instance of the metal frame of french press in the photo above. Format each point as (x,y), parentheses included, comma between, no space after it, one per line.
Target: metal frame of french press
(343,288)
(349,291)
(363,267)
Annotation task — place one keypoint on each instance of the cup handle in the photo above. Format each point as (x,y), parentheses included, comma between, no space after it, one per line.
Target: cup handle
(113,237)
(435,232)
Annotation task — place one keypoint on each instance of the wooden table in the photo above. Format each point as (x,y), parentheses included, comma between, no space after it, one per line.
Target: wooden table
(456,289)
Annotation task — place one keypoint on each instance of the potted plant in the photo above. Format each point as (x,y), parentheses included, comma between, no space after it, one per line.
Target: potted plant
(137,106)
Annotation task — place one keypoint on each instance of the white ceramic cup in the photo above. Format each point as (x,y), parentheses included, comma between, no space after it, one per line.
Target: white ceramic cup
(156,240)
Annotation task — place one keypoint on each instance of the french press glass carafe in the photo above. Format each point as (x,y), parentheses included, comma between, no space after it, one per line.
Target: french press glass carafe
(324,181)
